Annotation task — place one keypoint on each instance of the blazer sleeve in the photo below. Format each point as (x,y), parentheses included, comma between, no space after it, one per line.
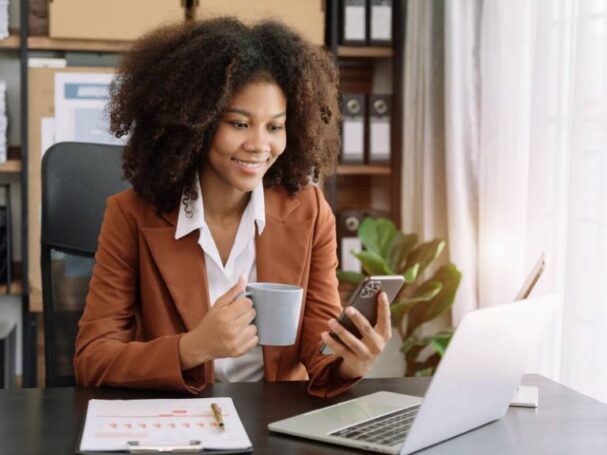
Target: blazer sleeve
(107,350)
(322,304)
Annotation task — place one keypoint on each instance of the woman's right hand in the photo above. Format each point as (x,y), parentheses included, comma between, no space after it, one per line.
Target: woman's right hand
(225,331)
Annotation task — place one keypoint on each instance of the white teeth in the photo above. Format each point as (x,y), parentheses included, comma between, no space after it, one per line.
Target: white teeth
(247,164)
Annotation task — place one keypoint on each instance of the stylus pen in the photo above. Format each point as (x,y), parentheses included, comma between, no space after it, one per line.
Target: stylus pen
(218,417)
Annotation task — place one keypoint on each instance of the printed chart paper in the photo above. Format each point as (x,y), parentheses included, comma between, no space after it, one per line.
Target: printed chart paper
(110,424)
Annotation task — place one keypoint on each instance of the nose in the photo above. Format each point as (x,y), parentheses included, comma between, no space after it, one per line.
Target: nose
(257,141)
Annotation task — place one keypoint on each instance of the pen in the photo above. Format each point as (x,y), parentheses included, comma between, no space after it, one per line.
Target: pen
(217,413)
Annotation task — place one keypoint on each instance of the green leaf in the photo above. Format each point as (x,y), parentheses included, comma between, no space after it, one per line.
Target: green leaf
(450,278)
(410,342)
(424,372)
(373,263)
(402,245)
(425,253)
(411,273)
(440,341)
(349,277)
(377,234)
(424,293)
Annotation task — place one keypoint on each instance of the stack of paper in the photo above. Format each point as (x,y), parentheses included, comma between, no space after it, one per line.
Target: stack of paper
(3,122)
(3,19)
(120,425)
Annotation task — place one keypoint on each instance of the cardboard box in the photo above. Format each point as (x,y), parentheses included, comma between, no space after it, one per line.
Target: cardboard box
(307,17)
(116,20)
(41,103)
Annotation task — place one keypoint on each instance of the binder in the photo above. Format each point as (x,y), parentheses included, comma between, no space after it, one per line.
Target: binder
(380,114)
(380,22)
(348,222)
(353,20)
(353,128)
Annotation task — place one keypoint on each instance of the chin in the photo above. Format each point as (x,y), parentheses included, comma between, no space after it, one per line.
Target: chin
(244,185)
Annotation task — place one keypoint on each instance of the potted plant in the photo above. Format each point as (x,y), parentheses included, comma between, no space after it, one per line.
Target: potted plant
(388,251)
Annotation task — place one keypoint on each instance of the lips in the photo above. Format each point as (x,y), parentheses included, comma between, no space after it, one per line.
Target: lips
(248,164)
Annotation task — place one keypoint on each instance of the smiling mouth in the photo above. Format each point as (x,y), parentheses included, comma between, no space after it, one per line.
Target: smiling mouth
(249,164)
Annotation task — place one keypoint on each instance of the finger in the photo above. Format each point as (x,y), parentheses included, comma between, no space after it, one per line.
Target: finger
(233,293)
(337,348)
(384,323)
(245,317)
(248,332)
(354,344)
(370,336)
(250,344)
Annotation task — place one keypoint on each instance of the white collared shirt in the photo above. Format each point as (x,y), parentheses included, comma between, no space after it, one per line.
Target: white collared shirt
(248,367)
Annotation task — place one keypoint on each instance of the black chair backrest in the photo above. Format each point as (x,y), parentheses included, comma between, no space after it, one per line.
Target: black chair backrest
(77,178)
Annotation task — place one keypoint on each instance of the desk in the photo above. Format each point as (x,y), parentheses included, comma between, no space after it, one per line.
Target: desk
(36,421)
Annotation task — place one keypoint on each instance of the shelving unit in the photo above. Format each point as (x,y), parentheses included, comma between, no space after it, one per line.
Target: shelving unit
(11,166)
(371,188)
(43,43)
(364,52)
(12,42)
(362,169)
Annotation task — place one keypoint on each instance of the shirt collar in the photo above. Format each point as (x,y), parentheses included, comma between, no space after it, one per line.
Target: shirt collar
(191,213)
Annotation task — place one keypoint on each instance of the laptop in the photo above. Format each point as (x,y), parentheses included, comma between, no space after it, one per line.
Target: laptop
(473,385)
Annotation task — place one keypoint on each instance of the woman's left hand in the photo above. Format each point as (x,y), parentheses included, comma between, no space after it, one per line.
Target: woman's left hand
(360,354)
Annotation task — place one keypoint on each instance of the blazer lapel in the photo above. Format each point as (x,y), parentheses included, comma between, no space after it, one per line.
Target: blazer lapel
(281,252)
(181,264)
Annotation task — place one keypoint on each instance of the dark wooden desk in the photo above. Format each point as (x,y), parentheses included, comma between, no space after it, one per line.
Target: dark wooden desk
(37,421)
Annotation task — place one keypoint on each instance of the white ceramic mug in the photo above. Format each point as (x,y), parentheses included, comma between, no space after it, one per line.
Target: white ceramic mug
(278,307)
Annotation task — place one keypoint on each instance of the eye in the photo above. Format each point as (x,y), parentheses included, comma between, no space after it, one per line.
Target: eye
(238,125)
(275,128)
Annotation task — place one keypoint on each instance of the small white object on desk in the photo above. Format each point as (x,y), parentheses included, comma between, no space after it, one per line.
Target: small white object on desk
(526,397)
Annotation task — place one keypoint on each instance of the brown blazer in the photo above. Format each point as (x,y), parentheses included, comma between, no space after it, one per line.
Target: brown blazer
(147,289)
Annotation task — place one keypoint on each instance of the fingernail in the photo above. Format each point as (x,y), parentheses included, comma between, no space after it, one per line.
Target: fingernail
(324,336)
(332,323)
(350,311)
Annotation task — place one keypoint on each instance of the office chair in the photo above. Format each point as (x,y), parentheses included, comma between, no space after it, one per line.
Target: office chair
(77,178)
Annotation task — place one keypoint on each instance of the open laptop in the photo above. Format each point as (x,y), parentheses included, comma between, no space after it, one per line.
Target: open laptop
(473,385)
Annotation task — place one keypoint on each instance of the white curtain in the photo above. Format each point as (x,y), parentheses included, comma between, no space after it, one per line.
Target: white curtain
(526,154)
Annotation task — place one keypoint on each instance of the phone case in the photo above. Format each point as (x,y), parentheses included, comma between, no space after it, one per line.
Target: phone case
(364,299)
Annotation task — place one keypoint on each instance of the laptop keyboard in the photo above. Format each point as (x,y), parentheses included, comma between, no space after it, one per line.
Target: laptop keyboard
(388,429)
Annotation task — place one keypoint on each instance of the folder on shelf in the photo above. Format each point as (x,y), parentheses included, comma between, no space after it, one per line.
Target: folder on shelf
(380,22)
(348,222)
(353,128)
(353,28)
(163,425)
(380,114)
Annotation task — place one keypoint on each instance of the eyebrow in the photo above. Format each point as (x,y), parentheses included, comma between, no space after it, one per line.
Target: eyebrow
(248,114)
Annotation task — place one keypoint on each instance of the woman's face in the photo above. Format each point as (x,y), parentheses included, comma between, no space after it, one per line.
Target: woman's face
(250,136)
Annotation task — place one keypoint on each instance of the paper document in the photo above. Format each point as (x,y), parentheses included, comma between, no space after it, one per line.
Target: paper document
(111,424)
(81,108)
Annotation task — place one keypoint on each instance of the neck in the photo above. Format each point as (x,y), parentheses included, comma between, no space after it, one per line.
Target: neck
(222,202)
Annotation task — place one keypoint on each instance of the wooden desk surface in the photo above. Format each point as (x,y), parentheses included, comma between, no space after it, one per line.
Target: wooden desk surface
(36,421)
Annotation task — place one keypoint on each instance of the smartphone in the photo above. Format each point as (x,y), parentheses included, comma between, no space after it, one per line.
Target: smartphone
(364,299)
(532,279)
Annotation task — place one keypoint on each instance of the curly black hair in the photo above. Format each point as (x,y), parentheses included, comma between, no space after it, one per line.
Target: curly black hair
(174,84)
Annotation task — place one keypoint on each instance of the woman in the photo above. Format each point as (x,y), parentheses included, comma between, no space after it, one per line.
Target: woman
(227,126)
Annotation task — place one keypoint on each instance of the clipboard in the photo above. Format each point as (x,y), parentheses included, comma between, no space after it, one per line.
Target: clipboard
(192,447)
(150,418)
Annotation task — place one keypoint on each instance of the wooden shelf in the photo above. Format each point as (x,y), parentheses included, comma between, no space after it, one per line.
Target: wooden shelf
(11,166)
(363,169)
(365,52)
(44,43)
(15,288)
(12,42)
